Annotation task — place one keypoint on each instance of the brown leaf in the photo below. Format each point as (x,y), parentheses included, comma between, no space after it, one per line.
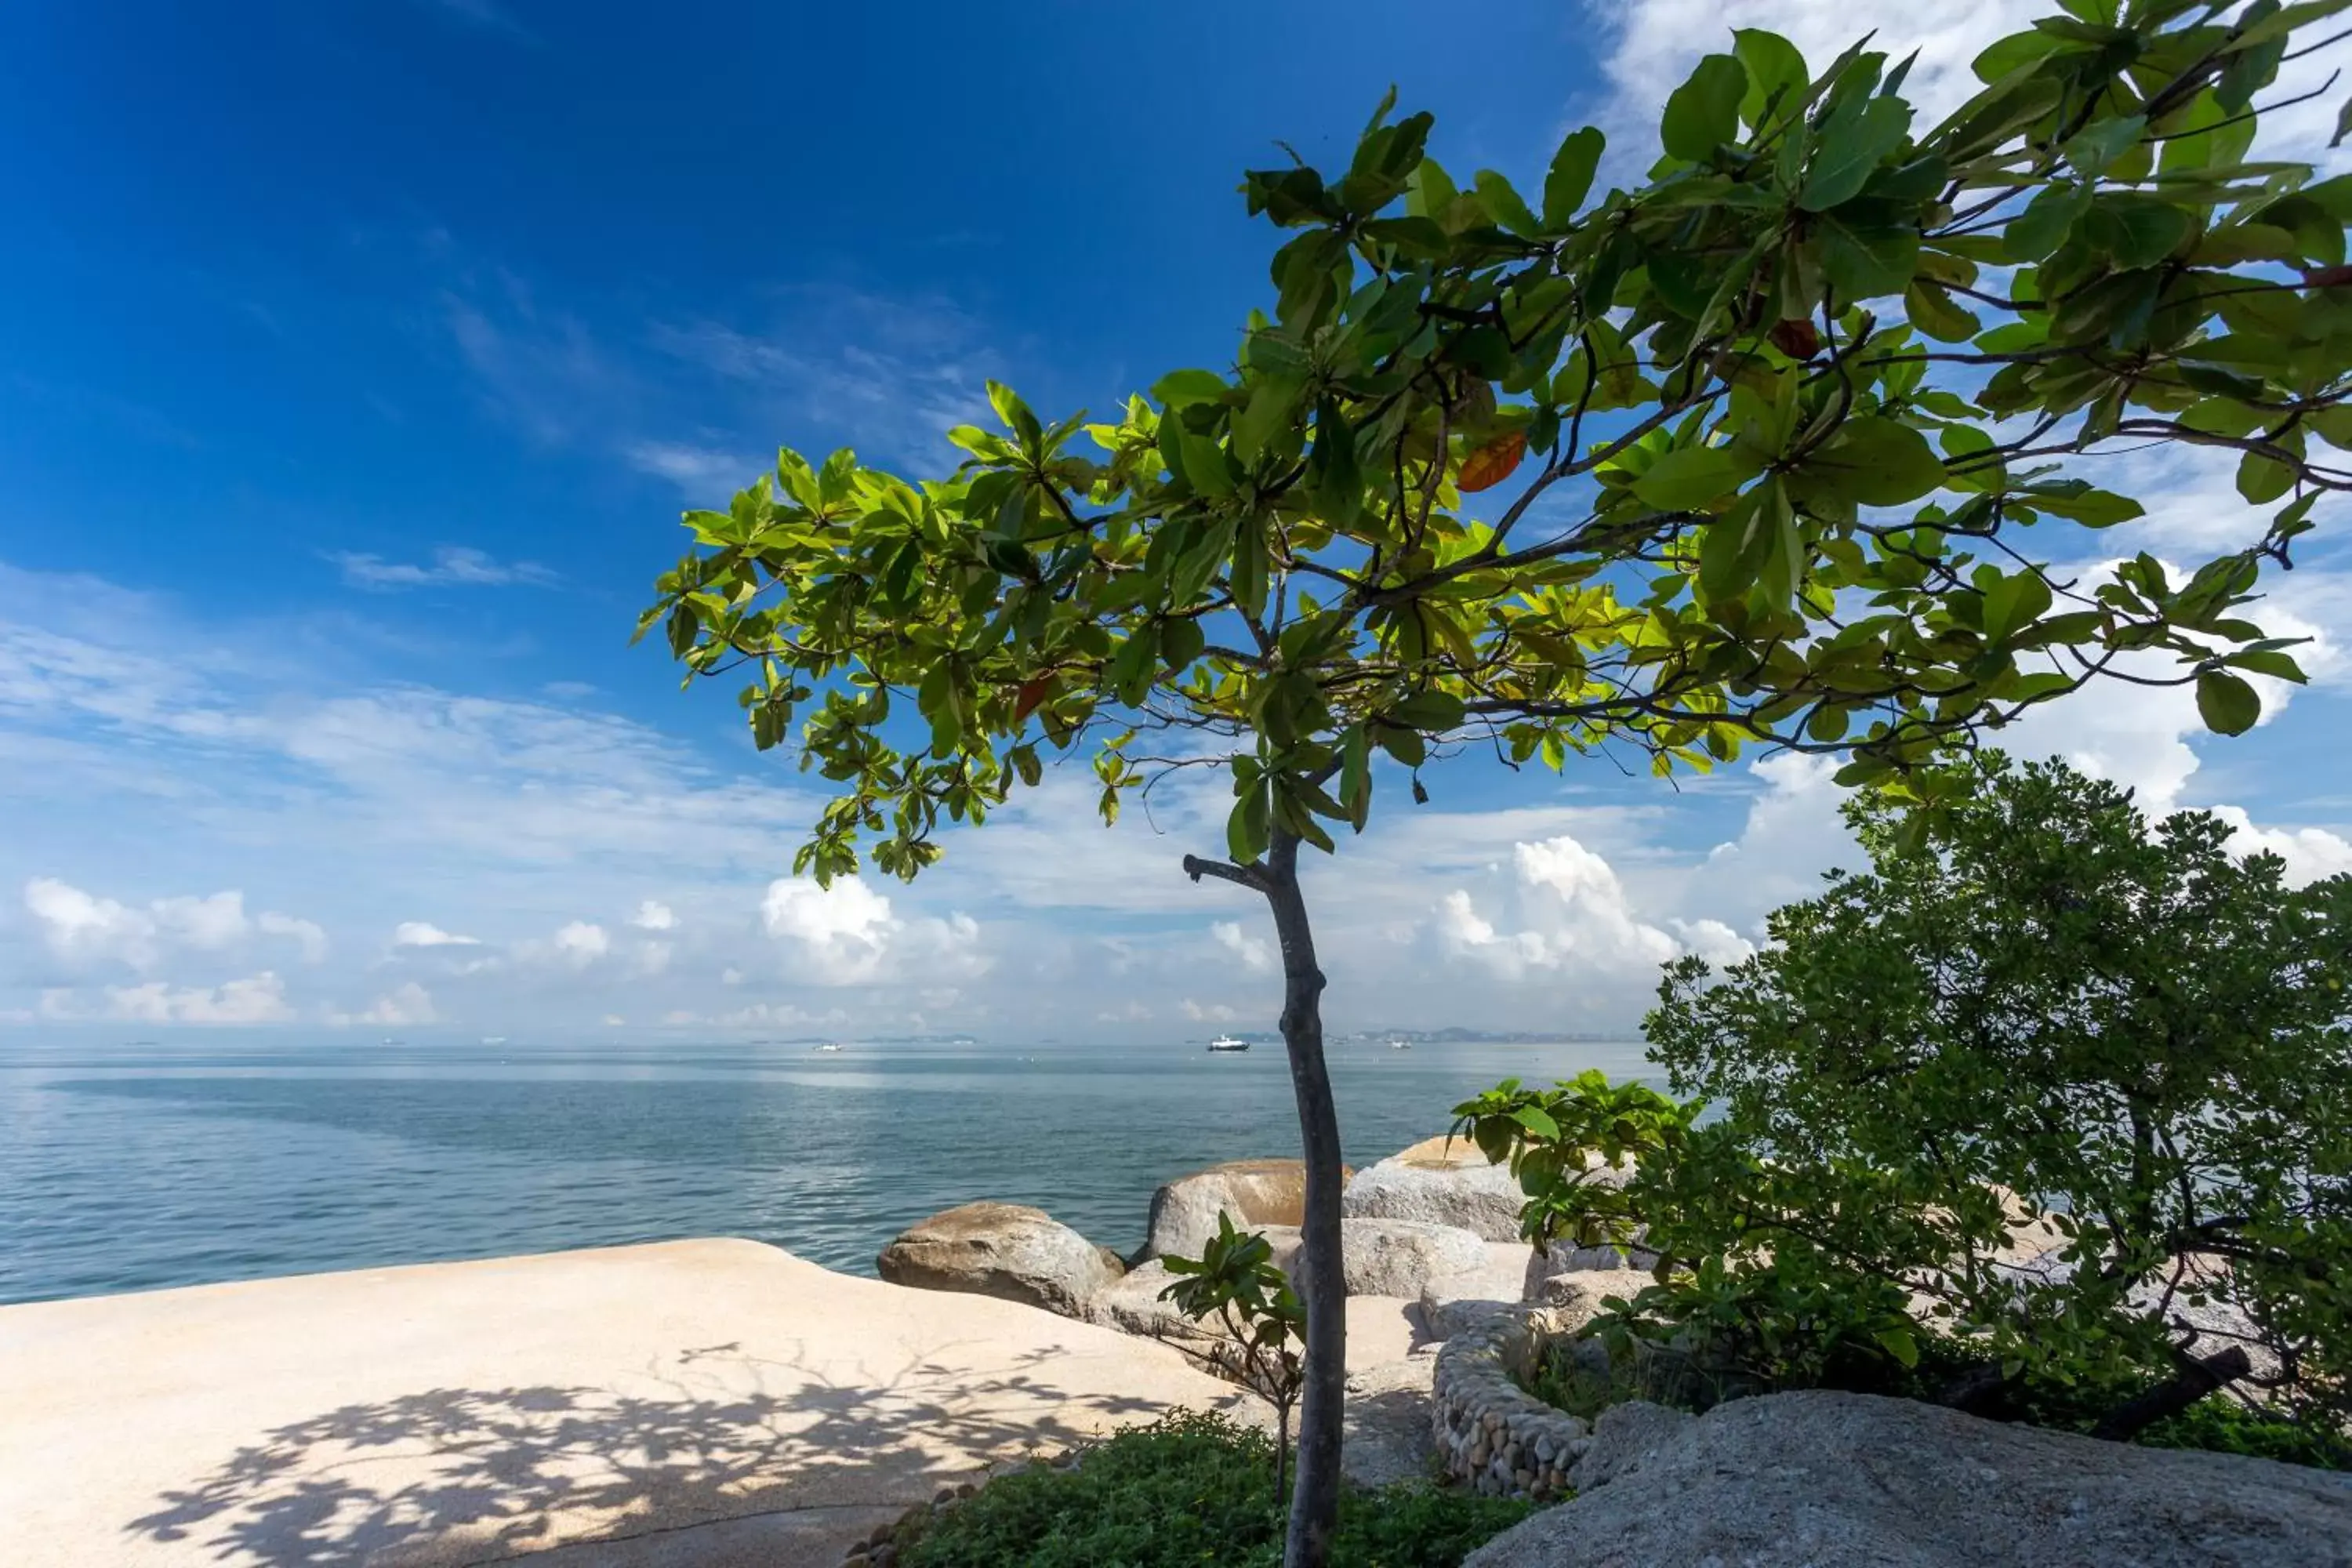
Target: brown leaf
(1493,463)
(1797,338)
(2326,277)
(1033,692)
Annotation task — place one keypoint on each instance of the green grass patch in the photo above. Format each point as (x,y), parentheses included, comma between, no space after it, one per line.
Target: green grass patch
(1189,1491)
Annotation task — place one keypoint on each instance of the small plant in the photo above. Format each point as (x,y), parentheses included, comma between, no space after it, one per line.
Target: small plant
(1234,1281)
(1188,1491)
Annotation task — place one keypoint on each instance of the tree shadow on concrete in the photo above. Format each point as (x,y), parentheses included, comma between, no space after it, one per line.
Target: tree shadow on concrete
(456,1475)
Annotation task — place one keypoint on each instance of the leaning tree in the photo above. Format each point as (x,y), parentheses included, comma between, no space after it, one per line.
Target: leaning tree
(1790,433)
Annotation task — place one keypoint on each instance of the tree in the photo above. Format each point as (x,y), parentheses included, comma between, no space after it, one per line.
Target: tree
(1235,1281)
(2044,994)
(1752,505)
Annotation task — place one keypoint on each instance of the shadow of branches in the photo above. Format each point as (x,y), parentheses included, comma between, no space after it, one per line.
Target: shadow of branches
(464,1475)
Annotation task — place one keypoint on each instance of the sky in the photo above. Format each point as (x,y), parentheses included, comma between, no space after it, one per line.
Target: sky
(359,358)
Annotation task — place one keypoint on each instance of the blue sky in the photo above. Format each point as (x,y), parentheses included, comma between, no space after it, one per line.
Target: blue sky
(360,356)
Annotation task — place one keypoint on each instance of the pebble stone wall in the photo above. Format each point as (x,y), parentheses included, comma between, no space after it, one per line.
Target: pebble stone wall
(1492,1435)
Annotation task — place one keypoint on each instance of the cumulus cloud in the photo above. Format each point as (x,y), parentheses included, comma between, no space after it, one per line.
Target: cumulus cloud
(407,1004)
(653,916)
(1579,914)
(424,934)
(83,926)
(1207,1012)
(847,935)
(581,943)
(1255,952)
(257,999)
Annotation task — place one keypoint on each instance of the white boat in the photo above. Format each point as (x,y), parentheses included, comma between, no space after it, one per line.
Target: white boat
(828,1046)
(1399,1044)
(1227,1043)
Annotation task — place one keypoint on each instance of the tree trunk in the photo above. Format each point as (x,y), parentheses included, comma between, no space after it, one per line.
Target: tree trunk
(2195,1380)
(1322,1400)
(1315,1497)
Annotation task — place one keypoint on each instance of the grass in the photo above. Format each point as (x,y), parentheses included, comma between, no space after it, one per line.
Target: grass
(1186,1492)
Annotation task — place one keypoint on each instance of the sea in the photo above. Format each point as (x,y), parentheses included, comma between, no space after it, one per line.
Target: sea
(141,1166)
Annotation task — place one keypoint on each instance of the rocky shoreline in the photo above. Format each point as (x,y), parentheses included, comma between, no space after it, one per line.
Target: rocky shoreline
(1449,1311)
(1431,1251)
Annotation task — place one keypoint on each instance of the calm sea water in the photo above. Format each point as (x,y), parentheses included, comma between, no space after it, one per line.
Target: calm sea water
(135,1167)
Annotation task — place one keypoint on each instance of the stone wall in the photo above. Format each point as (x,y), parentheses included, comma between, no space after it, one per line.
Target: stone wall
(1492,1435)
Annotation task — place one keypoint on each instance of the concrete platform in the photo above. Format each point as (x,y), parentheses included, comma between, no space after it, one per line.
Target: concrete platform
(690,1404)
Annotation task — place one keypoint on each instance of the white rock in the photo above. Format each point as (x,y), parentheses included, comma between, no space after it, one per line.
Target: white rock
(1006,1250)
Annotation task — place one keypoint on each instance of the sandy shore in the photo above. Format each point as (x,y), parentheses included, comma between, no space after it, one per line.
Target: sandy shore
(695,1402)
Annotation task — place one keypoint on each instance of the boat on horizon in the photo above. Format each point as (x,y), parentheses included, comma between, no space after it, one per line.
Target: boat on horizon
(1228,1043)
(828,1046)
(1399,1044)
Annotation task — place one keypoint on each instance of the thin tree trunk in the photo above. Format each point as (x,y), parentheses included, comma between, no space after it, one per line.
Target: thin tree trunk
(2195,1380)
(1322,1400)
(1314,1496)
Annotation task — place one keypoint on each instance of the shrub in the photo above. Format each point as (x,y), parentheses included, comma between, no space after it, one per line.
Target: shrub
(1184,1491)
(2034,991)
(1235,1281)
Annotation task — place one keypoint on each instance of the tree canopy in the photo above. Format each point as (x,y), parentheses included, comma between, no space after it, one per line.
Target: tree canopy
(1756,450)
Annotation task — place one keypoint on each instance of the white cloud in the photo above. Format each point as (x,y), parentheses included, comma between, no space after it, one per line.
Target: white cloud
(581,943)
(706,473)
(843,930)
(1207,1012)
(452,566)
(307,933)
(79,925)
(257,999)
(406,1004)
(1254,952)
(2310,853)
(424,934)
(652,916)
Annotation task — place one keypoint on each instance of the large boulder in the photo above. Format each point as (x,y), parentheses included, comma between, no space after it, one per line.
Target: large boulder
(1439,1182)
(1006,1250)
(1255,1193)
(1821,1478)
(1454,1301)
(1387,1257)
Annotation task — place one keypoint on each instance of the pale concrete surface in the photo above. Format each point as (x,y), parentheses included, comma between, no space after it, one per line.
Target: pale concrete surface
(463,1412)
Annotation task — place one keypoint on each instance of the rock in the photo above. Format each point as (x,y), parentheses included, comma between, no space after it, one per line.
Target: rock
(1257,1193)
(1564,1260)
(1451,1303)
(1385,1432)
(1131,1303)
(1389,1257)
(1006,1250)
(1439,1184)
(1823,1478)
(1577,1299)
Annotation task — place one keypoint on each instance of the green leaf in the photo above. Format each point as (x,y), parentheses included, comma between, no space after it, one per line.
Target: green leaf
(1866,261)
(1247,828)
(1504,203)
(1777,78)
(1690,477)
(1571,179)
(1933,312)
(1179,387)
(2228,704)
(1876,462)
(1538,1121)
(2014,603)
(2260,480)
(1704,112)
(1848,149)
(1431,712)
(1899,1342)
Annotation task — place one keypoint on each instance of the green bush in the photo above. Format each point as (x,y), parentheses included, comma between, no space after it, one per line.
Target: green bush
(1187,1490)
(2037,1008)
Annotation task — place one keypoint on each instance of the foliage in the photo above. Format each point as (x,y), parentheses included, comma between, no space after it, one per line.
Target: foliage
(1235,1281)
(1183,1493)
(1776,419)
(2035,991)
(1570,1147)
